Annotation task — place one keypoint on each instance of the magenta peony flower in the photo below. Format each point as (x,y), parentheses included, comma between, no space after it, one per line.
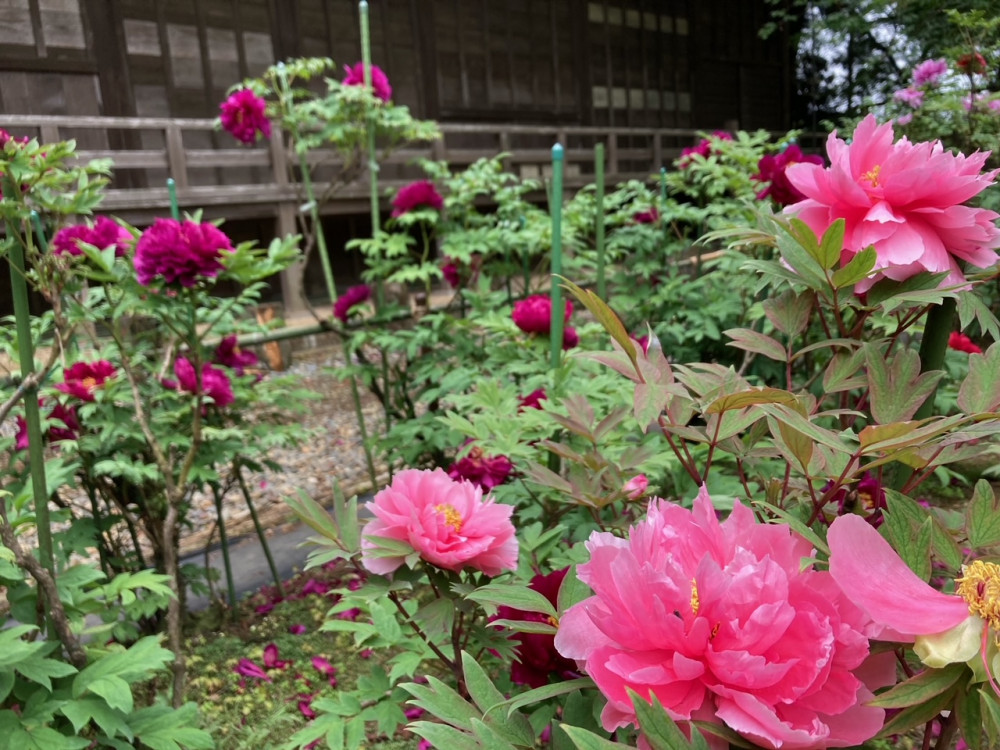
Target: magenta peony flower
(419,194)
(247,668)
(60,414)
(447,523)
(648,216)
(450,272)
(771,169)
(533,400)
(486,472)
(944,628)
(271,660)
(930,72)
(83,378)
(180,252)
(244,115)
(105,233)
(537,657)
(228,354)
(720,622)
(355,76)
(704,149)
(904,198)
(962,343)
(534,314)
(570,337)
(297,629)
(353,296)
(910,96)
(214,382)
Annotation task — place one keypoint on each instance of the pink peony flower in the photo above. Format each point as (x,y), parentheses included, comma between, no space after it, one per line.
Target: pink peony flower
(271,660)
(214,382)
(533,400)
(355,295)
(771,169)
(447,523)
(305,708)
(355,76)
(419,194)
(297,629)
(636,486)
(247,668)
(704,149)
(486,472)
(537,657)
(83,378)
(244,115)
(905,119)
(930,72)
(962,343)
(904,198)
(534,314)
(180,252)
(944,628)
(228,354)
(103,234)
(720,621)
(910,96)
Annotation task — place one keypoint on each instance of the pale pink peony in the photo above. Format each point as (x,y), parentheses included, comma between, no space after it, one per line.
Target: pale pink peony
(905,199)
(447,523)
(930,72)
(720,621)
(875,578)
(910,96)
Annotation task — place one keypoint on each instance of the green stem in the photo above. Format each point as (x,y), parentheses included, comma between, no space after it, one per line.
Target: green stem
(356,397)
(324,258)
(26,354)
(238,468)
(602,291)
(555,206)
(366,62)
(224,541)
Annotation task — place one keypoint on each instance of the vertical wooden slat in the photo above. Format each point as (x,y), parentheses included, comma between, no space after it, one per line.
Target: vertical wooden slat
(50,133)
(657,151)
(176,158)
(581,61)
(422,15)
(555,58)
(536,49)
(463,68)
(510,60)
(331,21)
(612,156)
(241,47)
(484,12)
(166,57)
(37,28)
(609,81)
(386,57)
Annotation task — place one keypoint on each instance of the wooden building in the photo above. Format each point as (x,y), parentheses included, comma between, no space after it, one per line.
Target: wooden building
(504,74)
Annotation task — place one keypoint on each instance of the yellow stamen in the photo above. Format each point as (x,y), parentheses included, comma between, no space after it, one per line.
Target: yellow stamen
(89,383)
(451,516)
(695,603)
(867,500)
(553,621)
(980,587)
(872,175)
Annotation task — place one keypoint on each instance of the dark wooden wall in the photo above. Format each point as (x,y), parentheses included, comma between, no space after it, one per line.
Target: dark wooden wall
(638,63)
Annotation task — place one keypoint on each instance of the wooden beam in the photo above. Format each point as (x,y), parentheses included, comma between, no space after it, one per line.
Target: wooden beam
(422,15)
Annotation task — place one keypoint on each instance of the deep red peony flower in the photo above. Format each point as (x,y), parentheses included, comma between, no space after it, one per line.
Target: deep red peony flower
(771,169)
(450,272)
(647,216)
(244,115)
(355,76)
(353,296)
(537,657)
(704,149)
(103,234)
(60,414)
(486,472)
(903,198)
(228,354)
(533,400)
(534,314)
(83,378)
(419,194)
(214,382)
(180,252)
(962,343)
(721,622)
(447,523)
(972,63)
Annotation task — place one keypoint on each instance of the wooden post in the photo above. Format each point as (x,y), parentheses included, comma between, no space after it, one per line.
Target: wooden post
(613,156)
(176,158)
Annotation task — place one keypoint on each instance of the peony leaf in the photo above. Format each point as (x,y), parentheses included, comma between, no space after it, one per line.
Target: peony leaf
(914,716)
(859,267)
(991,714)
(759,343)
(659,730)
(969,711)
(572,590)
(543,693)
(832,245)
(980,391)
(510,595)
(921,688)
(897,386)
(789,312)
(604,314)
(749,398)
(780,515)
(584,740)
(481,688)
(982,516)
(437,698)
(441,735)
(525,626)
(971,306)
(313,515)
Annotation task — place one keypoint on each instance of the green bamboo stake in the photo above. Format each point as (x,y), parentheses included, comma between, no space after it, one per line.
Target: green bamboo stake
(238,467)
(324,258)
(366,63)
(175,211)
(599,220)
(663,186)
(224,542)
(32,417)
(555,206)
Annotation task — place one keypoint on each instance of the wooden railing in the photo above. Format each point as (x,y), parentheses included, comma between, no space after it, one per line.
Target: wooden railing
(212,172)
